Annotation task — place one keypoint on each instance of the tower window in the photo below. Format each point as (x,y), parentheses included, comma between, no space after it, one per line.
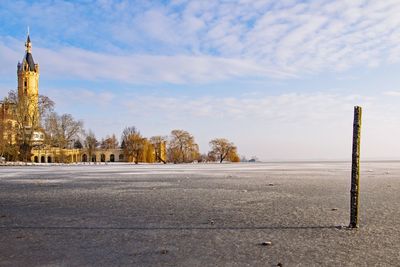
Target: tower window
(25,83)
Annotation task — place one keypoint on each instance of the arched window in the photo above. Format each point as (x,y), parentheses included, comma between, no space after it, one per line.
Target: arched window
(103,158)
(112,158)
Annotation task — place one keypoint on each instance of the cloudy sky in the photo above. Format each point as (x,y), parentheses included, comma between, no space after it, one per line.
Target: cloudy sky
(278,78)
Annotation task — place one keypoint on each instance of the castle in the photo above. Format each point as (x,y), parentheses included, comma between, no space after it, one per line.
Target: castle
(20,124)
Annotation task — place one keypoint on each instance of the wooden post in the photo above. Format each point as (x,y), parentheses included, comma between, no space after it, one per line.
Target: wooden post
(355,169)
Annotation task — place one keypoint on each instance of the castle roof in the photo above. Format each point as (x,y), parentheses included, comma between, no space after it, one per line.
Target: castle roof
(29,60)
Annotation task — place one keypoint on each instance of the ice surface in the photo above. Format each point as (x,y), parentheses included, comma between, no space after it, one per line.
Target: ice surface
(197,215)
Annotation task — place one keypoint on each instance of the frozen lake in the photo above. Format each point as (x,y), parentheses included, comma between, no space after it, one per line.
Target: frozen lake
(198,215)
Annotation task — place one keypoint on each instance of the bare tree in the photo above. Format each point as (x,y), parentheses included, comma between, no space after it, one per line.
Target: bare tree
(211,157)
(91,144)
(222,149)
(45,107)
(109,142)
(28,115)
(133,143)
(182,147)
(203,158)
(159,144)
(23,111)
(62,130)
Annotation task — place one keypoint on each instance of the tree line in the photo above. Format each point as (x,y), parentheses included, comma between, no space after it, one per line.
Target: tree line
(65,132)
(178,147)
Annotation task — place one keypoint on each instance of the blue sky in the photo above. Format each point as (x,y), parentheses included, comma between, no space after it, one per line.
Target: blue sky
(278,78)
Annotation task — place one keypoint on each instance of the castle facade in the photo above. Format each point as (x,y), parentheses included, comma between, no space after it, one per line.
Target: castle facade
(20,123)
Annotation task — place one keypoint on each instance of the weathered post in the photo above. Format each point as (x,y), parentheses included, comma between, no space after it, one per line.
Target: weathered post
(355,169)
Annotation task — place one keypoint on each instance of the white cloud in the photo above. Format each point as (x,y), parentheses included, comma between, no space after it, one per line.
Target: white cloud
(287,108)
(9,57)
(308,37)
(392,93)
(78,63)
(184,42)
(75,99)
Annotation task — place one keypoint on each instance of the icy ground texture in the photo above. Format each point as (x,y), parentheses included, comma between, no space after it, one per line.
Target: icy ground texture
(198,215)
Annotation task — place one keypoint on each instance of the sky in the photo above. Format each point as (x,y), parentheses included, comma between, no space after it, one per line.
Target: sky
(279,79)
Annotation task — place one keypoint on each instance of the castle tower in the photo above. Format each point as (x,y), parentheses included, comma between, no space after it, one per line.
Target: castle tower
(28,87)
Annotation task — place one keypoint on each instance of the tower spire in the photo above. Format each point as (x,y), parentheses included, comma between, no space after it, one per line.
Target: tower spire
(28,44)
